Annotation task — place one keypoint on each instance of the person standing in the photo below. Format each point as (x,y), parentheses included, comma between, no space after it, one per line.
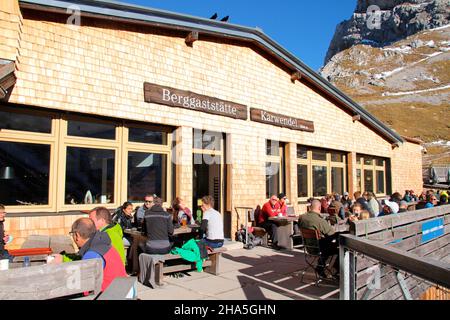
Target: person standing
(212,224)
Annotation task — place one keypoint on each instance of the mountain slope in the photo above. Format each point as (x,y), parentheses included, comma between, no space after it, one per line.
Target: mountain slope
(405,83)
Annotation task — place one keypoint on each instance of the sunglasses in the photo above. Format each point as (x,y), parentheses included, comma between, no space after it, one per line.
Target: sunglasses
(148,201)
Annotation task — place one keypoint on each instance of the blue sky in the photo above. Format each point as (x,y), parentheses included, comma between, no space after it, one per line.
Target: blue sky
(303,27)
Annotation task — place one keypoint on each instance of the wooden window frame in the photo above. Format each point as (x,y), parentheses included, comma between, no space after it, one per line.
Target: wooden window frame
(59,140)
(280,160)
(374,168)
(309,162)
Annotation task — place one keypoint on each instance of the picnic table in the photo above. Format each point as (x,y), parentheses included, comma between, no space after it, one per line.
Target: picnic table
(285,230)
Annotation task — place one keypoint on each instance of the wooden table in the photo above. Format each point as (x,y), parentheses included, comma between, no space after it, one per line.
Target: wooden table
(285,230)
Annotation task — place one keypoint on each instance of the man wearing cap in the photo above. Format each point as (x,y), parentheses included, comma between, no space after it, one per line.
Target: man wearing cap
(346,201)
(389,207)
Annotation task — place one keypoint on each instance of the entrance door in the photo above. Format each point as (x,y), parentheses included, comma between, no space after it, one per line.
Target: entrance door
(208,166)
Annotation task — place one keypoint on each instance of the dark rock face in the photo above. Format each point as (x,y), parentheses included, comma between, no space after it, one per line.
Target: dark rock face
(397,20)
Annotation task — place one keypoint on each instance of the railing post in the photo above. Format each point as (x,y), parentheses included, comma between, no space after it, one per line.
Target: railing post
(347,272)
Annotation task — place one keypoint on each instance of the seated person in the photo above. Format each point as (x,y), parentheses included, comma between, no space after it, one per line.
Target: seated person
(389,207)
(270,209)
(96,244)
(313,220)
(4,238)
(124,217)
(140,212)
(432,201)
(346,201)
(403,206)
(363,200)
(182,212)
(158,227)
(211,229)
(103,222)
(282,204)
(364,215)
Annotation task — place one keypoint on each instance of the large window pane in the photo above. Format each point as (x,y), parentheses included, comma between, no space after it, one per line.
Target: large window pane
(302,152)
(319,181)
(24,173)
(302,181)
(358,180)
(368,161)
(272,148)
(318,154)
(337,180)
(147,173)
(25,122)
(272,179)
(89,176)
(337,157)
(379,162)
(147,136)
(91,130)
(368,180)
(380,182)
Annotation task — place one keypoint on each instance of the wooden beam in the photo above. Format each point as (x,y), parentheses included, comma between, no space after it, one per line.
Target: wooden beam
(356,117)
(296,76)
(395,145)
(191,38)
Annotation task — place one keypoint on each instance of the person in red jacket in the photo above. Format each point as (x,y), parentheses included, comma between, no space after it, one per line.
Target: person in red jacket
(270,209)
(282,204)
(96,244)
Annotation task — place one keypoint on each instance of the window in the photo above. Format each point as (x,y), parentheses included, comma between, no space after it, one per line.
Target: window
(89,176)
(142,135)
(372,172)
(368,180)
(320,172)
(89,129)
(147,173)
(207,140)
(358,180)
(302,180)
(275,171)
(319,181)
(319,155)
(25,122)
(380,182)
(69,162)
(337,180)
(24,173)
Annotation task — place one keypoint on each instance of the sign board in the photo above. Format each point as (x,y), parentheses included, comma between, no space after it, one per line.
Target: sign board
(280,120)
(432,229)
(171,97)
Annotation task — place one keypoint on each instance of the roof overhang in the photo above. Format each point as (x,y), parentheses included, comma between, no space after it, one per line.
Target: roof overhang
(124,12)
(7,77)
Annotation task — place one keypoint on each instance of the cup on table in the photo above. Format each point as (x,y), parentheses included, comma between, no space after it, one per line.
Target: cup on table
(184,222)
(280,215)
(4,264)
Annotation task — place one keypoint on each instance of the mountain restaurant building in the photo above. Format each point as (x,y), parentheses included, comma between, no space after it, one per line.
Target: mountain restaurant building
(103,102)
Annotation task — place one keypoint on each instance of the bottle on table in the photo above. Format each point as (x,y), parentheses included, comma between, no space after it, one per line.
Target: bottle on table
(26,262)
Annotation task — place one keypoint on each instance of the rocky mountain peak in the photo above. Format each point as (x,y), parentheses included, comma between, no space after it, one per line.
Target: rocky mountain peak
(396,20)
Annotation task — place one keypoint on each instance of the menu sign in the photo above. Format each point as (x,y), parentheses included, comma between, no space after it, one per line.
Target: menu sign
(154,93)
(279,120)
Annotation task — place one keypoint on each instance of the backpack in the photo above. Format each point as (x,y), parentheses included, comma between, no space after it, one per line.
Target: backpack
(253,241)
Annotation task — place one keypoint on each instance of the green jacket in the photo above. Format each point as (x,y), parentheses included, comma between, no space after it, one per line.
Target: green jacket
(115,233)
(190,252)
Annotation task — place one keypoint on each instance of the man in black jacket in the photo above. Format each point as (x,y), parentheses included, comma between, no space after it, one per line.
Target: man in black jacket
(158,227)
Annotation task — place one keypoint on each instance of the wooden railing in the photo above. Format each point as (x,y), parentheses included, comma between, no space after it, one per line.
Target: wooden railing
(373,257)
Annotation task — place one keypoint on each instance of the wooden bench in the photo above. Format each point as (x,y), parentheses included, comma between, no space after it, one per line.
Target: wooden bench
(211,265)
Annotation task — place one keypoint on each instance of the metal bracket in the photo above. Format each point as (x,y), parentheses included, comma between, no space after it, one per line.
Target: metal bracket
(403,286)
